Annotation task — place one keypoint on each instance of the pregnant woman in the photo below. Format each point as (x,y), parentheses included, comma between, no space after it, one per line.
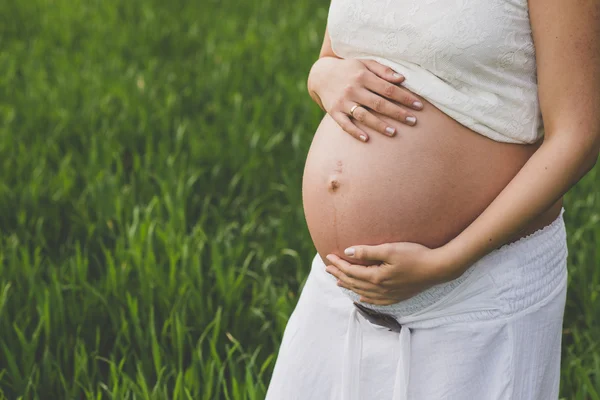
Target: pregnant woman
(433,194)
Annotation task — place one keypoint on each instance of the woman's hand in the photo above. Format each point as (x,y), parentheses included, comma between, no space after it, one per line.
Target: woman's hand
(406,269)
(348,89)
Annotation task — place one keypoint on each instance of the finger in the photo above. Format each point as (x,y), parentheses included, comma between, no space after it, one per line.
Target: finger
(350,282)
(379,252)
(372,293)
(347,125)
(360,272)
(378,302)
(364,116)
(383,72)
(384,106)
(394,92)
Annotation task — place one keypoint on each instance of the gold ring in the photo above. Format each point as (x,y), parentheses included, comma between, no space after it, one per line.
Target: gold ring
(353,108)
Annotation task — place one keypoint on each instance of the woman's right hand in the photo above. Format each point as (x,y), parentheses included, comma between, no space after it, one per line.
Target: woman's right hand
(338,85)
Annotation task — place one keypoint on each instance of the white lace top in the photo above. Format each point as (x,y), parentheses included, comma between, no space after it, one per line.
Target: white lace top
(472,59)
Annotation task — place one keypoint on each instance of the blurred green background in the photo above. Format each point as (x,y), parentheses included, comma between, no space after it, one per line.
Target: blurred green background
(152,239)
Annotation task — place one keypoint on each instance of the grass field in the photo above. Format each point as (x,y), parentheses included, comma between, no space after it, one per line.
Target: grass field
(152,239)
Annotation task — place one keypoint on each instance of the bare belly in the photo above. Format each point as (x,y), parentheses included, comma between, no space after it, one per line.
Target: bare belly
(424,185)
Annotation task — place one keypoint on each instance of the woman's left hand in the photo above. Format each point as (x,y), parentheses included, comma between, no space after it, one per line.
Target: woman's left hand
(406,269)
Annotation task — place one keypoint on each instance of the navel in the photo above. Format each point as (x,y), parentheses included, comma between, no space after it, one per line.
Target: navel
(334,184)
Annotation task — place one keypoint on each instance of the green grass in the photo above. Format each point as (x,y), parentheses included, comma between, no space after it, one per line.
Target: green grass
(152,239)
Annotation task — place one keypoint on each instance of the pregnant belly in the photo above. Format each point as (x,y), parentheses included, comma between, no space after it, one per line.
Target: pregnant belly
(424,185)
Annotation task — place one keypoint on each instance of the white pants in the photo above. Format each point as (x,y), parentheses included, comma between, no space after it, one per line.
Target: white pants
(492,334)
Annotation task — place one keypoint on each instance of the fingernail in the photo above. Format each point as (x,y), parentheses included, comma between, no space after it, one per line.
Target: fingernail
(390,131)
(417,104)
(329,257)
(397,75)
(349,252)
(363,138)
(412,120)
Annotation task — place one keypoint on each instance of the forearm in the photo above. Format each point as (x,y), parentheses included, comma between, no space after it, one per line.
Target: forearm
(553,169)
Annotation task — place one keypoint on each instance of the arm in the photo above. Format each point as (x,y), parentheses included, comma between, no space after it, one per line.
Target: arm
(326,51)
(567,40)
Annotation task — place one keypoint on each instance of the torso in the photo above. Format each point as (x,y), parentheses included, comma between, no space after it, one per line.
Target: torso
(475,61)
(424,185)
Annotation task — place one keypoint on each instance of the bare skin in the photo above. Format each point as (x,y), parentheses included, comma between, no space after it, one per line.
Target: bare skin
(425,184)
(570,149)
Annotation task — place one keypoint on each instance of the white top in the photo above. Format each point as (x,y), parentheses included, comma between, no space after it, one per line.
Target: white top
(472,59)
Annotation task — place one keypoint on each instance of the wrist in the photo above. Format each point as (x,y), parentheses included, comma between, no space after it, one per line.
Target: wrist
(450,262)
(316,75)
